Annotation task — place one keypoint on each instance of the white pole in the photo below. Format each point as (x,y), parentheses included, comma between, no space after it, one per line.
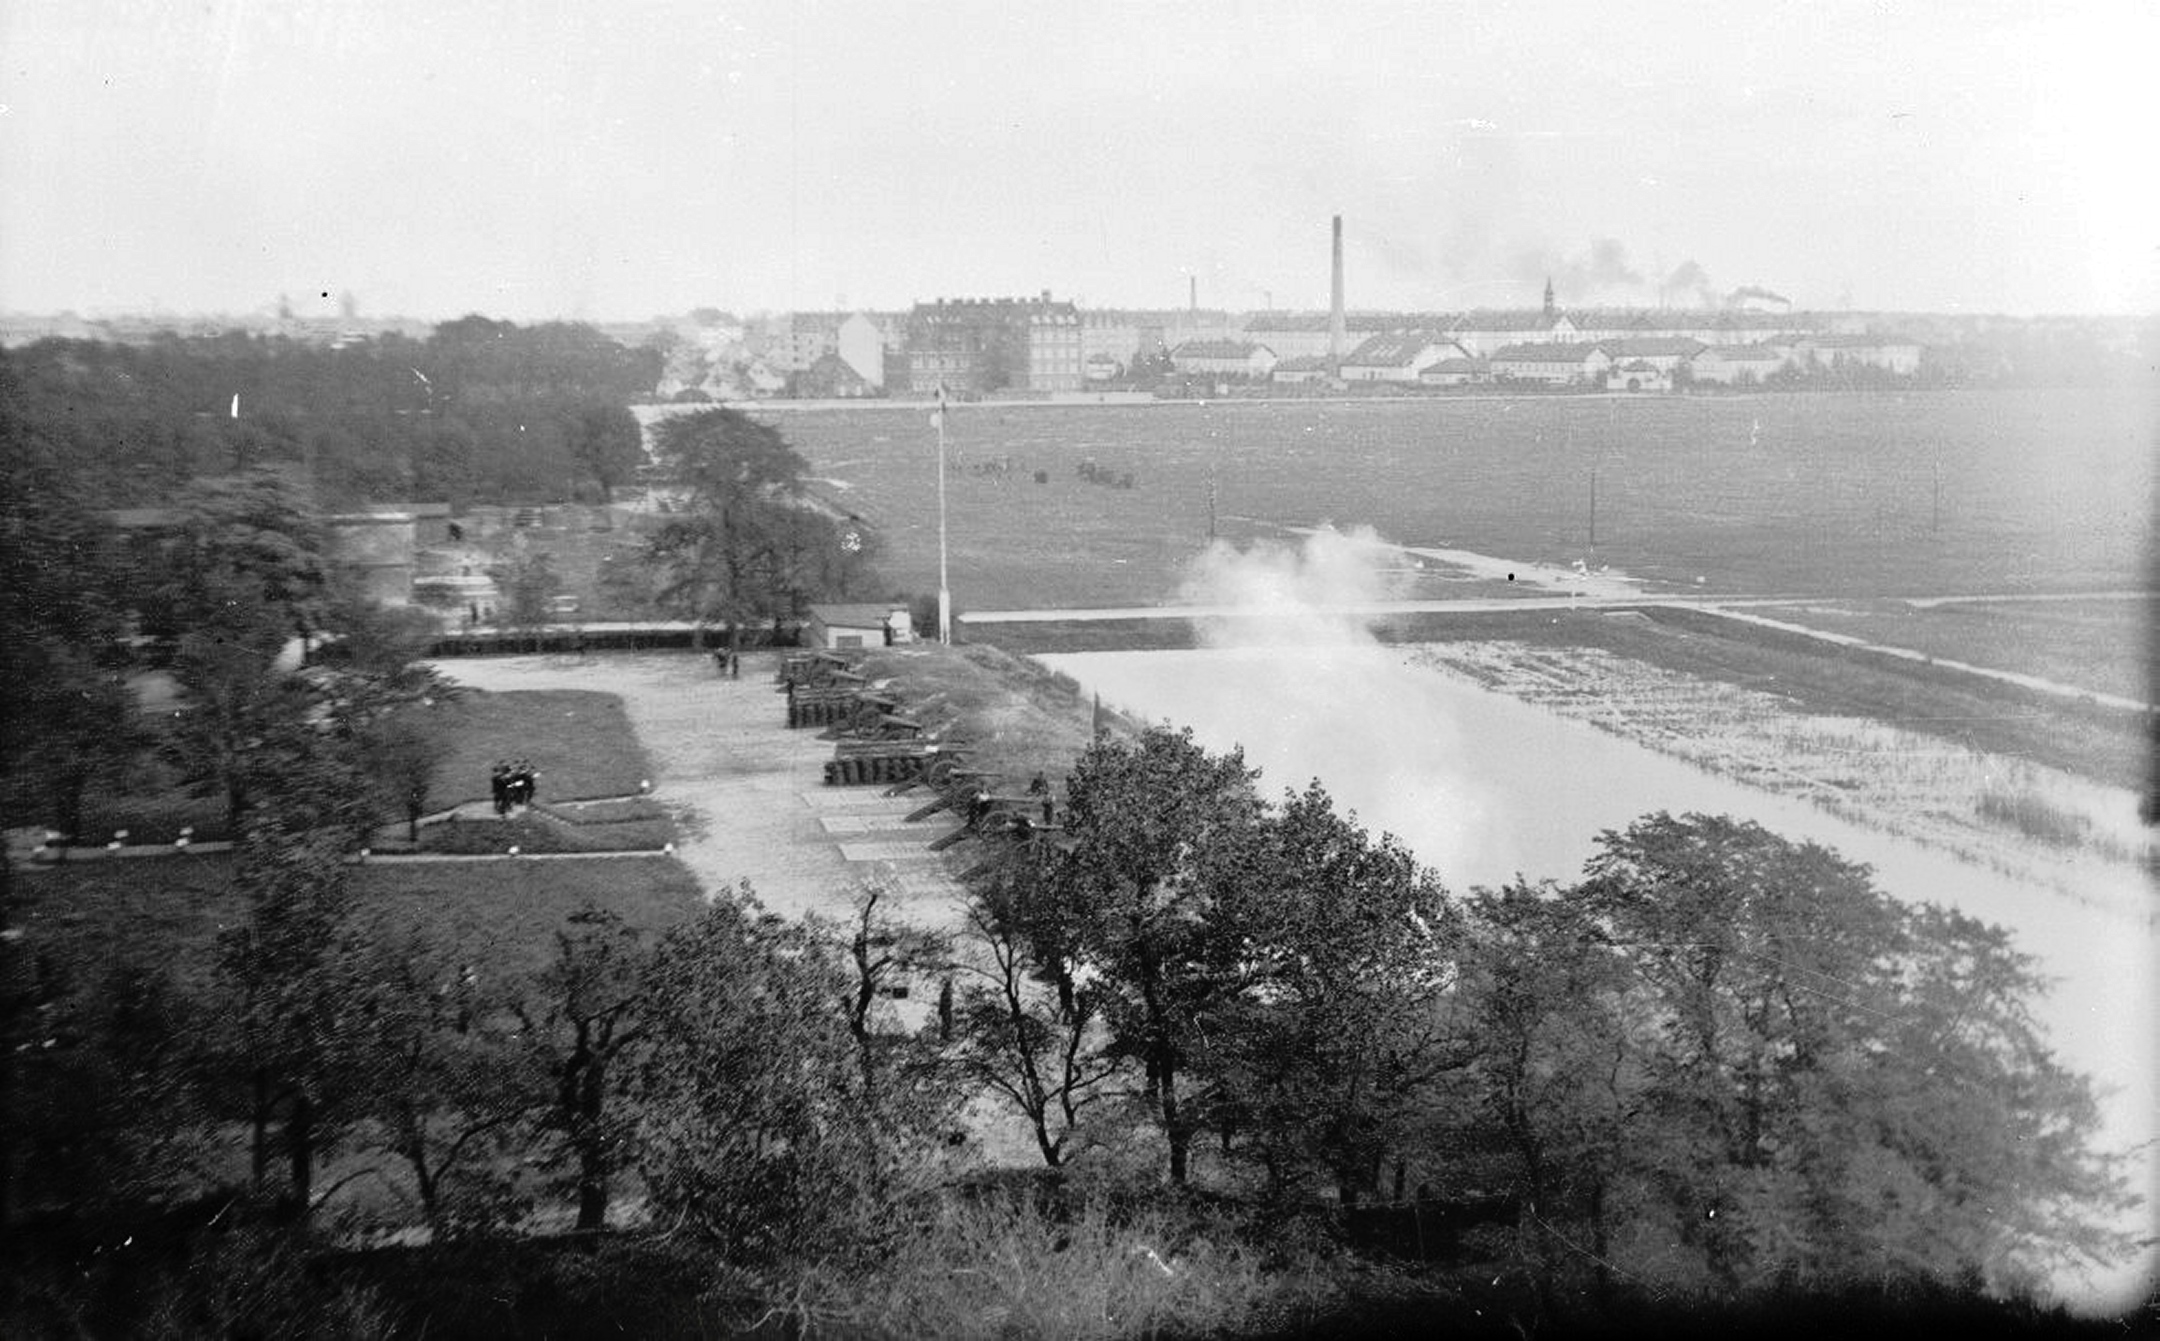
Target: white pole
(944,591)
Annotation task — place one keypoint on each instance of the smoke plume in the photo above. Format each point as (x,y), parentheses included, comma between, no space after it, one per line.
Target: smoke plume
(1319,591)
(1306,689)
(1688,281)
(1603,272)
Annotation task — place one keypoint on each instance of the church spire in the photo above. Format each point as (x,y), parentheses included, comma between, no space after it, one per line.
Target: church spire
(1549,311)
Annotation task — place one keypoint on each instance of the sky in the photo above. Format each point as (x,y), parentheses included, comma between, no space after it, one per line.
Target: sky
(617,160)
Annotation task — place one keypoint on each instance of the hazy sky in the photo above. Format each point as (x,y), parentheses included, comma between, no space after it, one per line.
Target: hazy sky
(616,160)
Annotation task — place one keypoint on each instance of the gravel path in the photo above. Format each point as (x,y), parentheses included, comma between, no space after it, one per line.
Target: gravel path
(749,793)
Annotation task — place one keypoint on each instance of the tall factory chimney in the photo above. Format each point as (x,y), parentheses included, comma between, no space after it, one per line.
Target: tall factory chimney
(1192,294)
(1337,327)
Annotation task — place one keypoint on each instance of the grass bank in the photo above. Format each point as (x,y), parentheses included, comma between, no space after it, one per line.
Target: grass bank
(1016,715)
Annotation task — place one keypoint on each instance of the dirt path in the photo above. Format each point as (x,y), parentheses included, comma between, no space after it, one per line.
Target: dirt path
(748,793)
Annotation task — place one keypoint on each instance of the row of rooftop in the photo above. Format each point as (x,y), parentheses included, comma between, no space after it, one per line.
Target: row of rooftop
(1041,345)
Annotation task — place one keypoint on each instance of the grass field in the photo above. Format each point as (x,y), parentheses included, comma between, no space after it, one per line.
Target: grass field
(94,912)
(579,740)
(1814,494)
(2091,644)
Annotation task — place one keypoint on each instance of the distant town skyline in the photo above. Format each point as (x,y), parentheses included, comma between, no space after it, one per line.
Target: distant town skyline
(616,162)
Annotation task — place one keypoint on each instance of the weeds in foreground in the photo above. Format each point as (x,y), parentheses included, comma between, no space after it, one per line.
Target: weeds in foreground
(1003,1270)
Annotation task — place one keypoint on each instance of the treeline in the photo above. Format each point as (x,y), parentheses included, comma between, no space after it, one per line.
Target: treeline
(1721,1068)
(1720,1062)
(479,412)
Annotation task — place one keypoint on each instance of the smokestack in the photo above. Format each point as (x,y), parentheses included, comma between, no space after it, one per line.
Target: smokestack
(1192,294)
(1337,326)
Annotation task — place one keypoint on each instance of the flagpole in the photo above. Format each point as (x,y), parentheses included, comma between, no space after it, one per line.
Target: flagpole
(944,591)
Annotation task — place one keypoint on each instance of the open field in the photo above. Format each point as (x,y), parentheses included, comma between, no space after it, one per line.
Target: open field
(1922,493)
(2099,645)
(91,913)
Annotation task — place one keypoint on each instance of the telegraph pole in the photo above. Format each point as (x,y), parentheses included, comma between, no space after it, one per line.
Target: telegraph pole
(944,590)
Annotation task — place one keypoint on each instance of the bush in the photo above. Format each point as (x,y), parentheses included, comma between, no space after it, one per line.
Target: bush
(153,820)
(1001,1268)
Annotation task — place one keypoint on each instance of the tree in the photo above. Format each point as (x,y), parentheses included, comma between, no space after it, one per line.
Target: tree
(1024,1027)
(737,546)
(251,539)
(444,1079)
(400,754)
(763,1120)
(108,1118)
(530,585)
(1733,1043)
(80,727)
(235,701)
(241,576)
(1556,1083)
(290,998)
(65,717)
(1133,908)
(1348,944)
(606,444)
(585,1014)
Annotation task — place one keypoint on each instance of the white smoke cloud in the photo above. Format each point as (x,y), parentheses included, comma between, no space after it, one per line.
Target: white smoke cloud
(1319,591)
(1296,677)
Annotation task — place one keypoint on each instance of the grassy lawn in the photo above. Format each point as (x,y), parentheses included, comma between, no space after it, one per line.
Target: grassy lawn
(93,912)
(579,740)
(513,908)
